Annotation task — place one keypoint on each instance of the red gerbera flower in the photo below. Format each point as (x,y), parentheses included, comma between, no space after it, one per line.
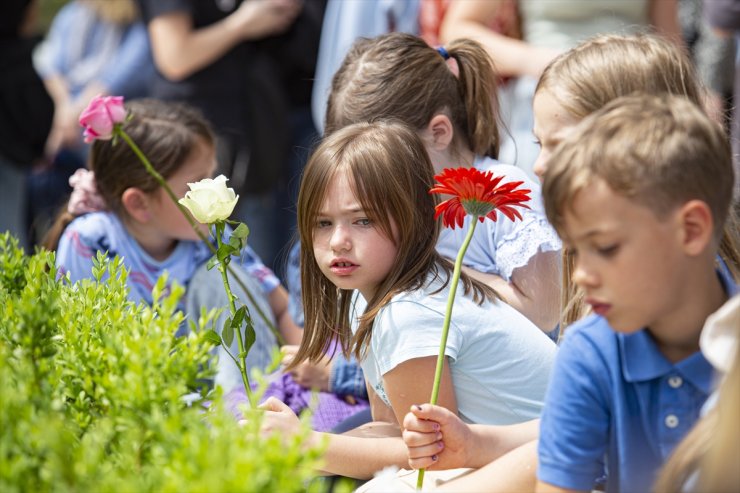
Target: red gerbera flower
(477,193)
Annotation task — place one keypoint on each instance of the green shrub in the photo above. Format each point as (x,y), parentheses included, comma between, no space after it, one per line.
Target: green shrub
(92,391)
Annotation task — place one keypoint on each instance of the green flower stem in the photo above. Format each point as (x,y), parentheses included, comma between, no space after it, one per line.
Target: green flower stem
(446,325)
(163,183)
(241,358)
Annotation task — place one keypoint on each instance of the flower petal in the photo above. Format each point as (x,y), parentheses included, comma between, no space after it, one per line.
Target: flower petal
(477,193)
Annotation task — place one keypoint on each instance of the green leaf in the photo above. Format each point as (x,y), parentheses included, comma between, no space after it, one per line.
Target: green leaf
(224,251)
(228,332)
(213,262)
(211,336)
(249,336)
(239,317)
(241,232)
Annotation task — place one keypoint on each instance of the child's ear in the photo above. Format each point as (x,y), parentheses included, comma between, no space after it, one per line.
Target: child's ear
(697,225)
(441,131)
(136,204)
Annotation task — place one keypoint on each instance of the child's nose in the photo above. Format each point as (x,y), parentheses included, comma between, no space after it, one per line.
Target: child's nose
(540,165)
(583,277)
(340,240)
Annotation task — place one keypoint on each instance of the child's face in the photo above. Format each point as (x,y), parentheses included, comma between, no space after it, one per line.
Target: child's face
(199,165)
(628,261)
(352,252)
(551,124)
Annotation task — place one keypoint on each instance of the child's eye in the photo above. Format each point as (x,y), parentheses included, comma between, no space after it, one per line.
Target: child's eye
(608,251)
(323,223)
(363,222)
(537,143)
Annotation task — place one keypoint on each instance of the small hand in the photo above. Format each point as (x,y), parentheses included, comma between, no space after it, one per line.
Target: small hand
(436,438)
(307,374)
(279,418)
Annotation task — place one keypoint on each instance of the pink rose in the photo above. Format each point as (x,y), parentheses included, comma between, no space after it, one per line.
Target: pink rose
(101,116)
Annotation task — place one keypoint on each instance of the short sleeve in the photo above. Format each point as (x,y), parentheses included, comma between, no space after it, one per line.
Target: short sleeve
(574,430)
(74,254)
(515,245)
(406,330)
(154,8)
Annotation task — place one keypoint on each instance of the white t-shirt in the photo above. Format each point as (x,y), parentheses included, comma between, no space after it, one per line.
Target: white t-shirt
(501,246)
(500,362)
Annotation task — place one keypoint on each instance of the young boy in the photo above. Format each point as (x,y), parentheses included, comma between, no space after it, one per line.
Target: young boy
(640,191)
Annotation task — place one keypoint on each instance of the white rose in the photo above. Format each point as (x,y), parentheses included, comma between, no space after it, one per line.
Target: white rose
(210,200)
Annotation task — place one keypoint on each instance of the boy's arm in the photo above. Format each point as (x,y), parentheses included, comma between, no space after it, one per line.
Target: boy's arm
(575,424)
(515,471)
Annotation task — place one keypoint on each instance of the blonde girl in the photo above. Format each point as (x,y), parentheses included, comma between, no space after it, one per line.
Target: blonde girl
(448,96)
(372,278)
(585,79)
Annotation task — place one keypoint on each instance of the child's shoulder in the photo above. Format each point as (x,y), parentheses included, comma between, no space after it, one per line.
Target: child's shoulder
(94,224)
(592,334)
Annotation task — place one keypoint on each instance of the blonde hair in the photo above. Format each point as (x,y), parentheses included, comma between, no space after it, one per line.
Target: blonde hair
(658,151)
(605,68)
(391,176)
(399,76)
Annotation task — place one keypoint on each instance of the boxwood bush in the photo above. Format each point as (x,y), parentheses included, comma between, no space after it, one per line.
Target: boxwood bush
(92,393)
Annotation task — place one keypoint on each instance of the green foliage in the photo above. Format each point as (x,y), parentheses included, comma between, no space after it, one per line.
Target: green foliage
(96,393)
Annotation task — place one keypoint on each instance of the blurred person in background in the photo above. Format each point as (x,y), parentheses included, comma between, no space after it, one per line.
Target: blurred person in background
(26,113)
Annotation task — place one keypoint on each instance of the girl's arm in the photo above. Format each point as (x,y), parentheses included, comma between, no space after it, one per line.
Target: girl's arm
(534,289)
(359,453)
(411,383)
(180,50)
(512,57)
(365,450)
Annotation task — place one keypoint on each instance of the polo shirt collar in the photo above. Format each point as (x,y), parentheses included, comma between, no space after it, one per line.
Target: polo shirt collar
(643,361)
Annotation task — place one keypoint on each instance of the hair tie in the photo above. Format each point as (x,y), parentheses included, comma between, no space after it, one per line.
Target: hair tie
(442,51)
(85,197)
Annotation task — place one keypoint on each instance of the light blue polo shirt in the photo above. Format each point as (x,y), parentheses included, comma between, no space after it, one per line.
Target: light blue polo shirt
(616,405)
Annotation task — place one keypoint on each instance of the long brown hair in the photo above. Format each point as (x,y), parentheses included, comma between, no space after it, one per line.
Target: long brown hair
(391,175)
(602,69)
(399,76)
(166,133)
